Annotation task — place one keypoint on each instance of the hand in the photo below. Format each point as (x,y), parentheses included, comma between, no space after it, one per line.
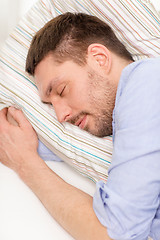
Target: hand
(67,204)
(11,120)
(18,140)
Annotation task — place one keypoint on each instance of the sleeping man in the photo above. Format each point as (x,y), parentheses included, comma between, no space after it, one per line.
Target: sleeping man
(86,73)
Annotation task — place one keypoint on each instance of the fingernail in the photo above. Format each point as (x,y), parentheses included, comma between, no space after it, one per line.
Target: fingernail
(11,109)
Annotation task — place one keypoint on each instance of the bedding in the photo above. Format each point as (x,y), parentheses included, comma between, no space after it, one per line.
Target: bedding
(137,25)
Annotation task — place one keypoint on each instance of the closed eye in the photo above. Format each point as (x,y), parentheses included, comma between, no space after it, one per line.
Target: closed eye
(61,93)
(48,103)
(49,90)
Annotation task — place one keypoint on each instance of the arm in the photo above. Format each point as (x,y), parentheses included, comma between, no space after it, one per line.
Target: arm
(69,206)
(129,205)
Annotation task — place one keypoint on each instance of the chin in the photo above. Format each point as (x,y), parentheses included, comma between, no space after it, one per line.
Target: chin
(95,133)
(101,132)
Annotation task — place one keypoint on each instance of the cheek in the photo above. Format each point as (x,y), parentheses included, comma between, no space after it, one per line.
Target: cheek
(79,98)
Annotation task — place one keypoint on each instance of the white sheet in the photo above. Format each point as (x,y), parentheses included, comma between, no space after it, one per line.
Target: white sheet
(22,216)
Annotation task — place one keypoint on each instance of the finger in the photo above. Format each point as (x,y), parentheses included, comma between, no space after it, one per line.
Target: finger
(3,114)
(11,119)
(3,119)
(19,117)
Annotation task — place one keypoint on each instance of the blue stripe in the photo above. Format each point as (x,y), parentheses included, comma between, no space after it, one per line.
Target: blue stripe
(83,6)
(54,132)
(149,12)
(24,33)
(66,141)
(18,72)
(58,11)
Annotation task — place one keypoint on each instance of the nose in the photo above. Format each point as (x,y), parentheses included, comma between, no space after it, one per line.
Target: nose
(62,110)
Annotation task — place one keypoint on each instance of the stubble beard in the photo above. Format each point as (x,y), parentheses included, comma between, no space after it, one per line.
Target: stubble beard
(102,100)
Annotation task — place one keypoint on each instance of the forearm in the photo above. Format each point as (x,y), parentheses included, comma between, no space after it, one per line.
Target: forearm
(68,205)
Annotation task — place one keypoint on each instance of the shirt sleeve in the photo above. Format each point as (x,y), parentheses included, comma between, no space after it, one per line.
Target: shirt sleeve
(46,154)
(128,202)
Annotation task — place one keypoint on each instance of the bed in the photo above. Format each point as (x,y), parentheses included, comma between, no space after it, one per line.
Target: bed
(85,158)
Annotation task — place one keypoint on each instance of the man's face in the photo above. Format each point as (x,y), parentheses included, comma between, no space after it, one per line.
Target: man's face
(80,95)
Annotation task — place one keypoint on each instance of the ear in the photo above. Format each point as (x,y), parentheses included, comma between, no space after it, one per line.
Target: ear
(99,54)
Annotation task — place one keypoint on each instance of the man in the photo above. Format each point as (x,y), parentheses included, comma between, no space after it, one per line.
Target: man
(82,69)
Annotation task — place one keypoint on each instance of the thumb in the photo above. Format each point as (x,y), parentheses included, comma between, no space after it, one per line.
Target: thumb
(11,119)
(3,114)
(18,116)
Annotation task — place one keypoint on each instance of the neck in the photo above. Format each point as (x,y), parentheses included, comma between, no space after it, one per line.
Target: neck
(118,64)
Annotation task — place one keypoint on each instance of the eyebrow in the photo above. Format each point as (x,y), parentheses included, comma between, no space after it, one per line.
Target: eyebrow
(53,83)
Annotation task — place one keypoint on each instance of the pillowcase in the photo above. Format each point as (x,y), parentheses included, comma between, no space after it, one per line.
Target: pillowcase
(136,23)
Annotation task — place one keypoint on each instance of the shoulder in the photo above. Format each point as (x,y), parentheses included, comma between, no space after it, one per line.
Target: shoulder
(148,68)
(138,93)
(141,72)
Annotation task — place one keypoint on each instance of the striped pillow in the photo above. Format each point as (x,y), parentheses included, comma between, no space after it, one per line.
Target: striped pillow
(137,25)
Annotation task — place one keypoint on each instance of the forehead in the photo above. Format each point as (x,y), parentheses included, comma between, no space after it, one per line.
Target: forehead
(44,68)
(48,72)
(44,73)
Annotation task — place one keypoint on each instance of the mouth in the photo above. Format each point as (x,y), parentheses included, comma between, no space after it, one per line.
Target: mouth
(81,122)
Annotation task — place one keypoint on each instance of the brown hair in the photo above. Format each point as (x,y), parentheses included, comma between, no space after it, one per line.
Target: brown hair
(68,36)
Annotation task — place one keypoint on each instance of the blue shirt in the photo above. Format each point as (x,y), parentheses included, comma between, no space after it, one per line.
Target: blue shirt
(129,203)
(46,154)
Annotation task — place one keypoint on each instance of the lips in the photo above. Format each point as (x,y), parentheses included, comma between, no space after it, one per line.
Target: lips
(81,122)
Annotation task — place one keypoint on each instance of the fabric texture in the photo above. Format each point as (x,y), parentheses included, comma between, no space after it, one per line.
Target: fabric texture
(46,154)
(129,203)
(136,23)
